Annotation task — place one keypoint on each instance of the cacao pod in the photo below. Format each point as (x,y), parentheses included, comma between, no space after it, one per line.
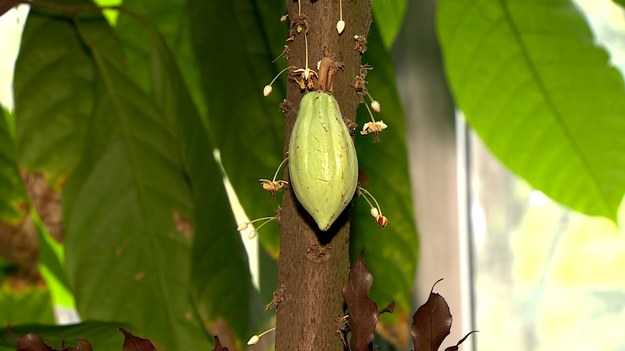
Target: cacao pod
(323,166)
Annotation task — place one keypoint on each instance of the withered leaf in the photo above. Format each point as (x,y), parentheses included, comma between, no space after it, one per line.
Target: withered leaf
(6,5)
(81,345)
(135,343)
(29,342)
(363,312)
(457,346)
(218,346)
(431,323)
(390,308)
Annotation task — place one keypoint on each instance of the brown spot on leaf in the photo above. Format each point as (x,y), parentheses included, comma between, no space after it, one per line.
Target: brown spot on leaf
(183,225)
(47,202)
(138,276)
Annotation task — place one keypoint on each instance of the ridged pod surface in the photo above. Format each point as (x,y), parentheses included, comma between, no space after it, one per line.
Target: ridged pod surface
(323,166)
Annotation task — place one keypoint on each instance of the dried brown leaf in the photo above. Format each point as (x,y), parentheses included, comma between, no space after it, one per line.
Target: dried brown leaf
(431,323)
(135,343)
(456,347)
(29,342)
(363,312)
(218,346)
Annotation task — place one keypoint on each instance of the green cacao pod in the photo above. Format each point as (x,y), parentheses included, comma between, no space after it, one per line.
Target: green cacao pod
(323,166)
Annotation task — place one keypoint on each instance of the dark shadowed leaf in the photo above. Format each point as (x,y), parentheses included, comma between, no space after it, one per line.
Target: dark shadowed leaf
(135,343)
(218,346)
(457,346)
(541,94)
(221,284)
(431,323)
(235,65)
(363,312)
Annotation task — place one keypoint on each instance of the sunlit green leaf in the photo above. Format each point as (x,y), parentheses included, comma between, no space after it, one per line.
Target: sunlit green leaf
(234,50)
(391,253)
(388,17)
(25,304)
(541,95)
(52,265)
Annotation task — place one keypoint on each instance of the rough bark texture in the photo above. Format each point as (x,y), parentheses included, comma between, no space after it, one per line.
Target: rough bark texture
(314,264)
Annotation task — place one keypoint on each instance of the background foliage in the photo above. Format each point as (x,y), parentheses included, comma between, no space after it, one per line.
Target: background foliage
(118,117)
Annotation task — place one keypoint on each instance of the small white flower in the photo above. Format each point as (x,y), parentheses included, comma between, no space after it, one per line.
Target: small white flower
(375,106)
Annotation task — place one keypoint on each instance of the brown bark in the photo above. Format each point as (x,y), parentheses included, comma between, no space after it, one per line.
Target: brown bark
(314,264)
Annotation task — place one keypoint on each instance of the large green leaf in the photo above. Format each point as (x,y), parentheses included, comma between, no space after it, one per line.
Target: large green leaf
(172,21)
(234,50)
(103,336)
(391,253)
(389,16)
(221,283)
(126,258)
(541,95)
(51,120)
(12,195)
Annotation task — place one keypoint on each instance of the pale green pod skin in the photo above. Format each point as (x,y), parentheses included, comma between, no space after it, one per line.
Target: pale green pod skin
(323,166)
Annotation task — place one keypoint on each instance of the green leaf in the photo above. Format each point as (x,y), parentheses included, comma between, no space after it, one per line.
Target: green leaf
(51,265)
(12,194)
(220,280)
(28,304)
(124,254)
(51,123)
(541,95)
(389,16)
(620,2)
(103,336)
(171,19)
(391,253)
(234,50)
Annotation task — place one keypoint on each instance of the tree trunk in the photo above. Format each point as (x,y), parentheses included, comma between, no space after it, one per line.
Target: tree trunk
(314,264)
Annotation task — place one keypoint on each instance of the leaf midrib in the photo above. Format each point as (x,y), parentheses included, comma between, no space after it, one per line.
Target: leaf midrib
(126,137)
(559,119)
